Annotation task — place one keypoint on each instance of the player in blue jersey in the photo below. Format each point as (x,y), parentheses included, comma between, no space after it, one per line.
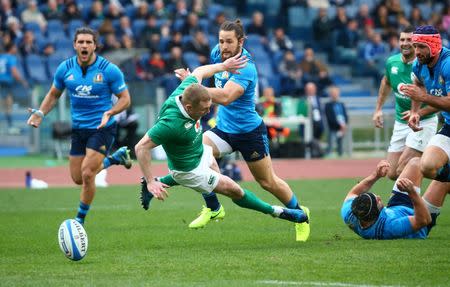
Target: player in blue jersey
(240,128)
(406,214)
(90,81)
(9,74)
(431,74)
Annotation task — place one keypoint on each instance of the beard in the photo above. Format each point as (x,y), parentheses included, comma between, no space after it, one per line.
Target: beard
(231,54)
(425,60)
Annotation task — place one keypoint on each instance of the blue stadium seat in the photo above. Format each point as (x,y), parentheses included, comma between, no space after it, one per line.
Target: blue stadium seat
(213,40)
(95,24)
(191,60)
(55,25)
(34,27)
(53,62)
(137,26)
(130,11)
(213,9)
(35,68)
(64,44)
(264,68)
(178,24)
(73,26)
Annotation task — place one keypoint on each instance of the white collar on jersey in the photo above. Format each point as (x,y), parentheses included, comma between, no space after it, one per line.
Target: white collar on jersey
(181,107)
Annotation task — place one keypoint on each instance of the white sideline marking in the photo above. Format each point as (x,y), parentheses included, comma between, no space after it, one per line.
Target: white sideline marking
(339,284)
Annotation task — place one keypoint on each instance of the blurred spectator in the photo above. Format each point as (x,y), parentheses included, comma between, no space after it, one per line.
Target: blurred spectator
(8,76)
(6,11)
(375,52)
(5,41)
(106,28)
(159,10)
(341,2)
(394,8)
(32,14)
(53,11)
(127,42)
(349,37)
(363,15)
(114,10)
(48,49)
(258,27)
(198,8)
(150,29)
(337,120)
(199,45)
(28,44)
(271,109)
(181,11)
(392,44)
(71,12)
(96,11)
(214,28)
(314,70)
(190,25)
(142,11)
(124,27)
(280,41)
(317,119)
(127,124)
(175,60)
(416,18)
(175,41)
(341,19)
(322,28)
(291,74)
(14,28)
(445,18)
(384,22)
(154,68)
(111,43)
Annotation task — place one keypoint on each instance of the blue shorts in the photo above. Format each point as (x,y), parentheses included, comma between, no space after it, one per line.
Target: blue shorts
(99,140)
(253,145)
(400,199)
(6,89)
(445,130)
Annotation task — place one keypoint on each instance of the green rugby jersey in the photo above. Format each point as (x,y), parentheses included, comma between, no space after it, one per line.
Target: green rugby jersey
(179,134)
(399,73)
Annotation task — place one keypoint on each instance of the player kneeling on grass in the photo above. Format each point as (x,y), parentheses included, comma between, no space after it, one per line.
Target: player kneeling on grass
(191,163)
(406,215)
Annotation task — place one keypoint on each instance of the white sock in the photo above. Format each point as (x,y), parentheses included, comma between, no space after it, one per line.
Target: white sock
(277,210)
(432,208)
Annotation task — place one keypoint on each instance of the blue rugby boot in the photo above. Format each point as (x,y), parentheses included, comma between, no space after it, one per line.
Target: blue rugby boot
(122,156)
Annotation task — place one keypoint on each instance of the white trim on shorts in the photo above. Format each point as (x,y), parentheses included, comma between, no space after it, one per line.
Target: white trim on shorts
(223,147)
(442,142)
(403,136)
(202,178)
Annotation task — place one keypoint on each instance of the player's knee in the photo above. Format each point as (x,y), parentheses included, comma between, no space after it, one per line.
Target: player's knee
(393,173)
(77,179)
(428,169)
(267,184)
(87,175)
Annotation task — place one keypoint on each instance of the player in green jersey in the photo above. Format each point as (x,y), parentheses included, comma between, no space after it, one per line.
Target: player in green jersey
(191,163)
(405,143)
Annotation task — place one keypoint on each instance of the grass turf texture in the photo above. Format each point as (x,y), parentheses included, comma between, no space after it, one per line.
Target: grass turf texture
(131,247)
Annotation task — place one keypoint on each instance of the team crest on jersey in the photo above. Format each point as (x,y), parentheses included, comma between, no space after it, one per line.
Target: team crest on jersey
(70,77)
(197,126)
(225,75)
(394,70)
(188,125)
(98,78)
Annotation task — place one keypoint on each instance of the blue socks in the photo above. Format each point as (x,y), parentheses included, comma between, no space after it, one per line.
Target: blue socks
(443,173)
(211,201)
(82,211)
(109,161)
(293,203)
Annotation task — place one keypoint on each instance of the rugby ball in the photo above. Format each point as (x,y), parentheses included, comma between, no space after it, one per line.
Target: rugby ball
(72,239)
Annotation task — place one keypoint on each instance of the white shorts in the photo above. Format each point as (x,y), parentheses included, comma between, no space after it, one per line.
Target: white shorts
(402,135)
(442,142)
(202,178)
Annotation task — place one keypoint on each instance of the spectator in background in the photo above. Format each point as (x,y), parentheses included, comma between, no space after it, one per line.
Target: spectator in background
(392,44)
(280,41)
(159,10)
(175,60)
(106,28)
(199,45)
(14,29)
(142,11)
(214,28)
(9,75)
(124,27)
(28,44)
(49,49)
(127,42)
(6,11)
(114,10)
(53,11)
(317,119)
(337,120)
(322,28)
(191,25)
(314,70)
(349,37)
(96,11)
(181,11)
(32,14)
(363,15)
(154,68)
(150,29)
(71,12)
(415,17)
(375,52)
(175,41)
(258,27)
(340,20)
(111,43)
(445,19)
(291,74)
(198,8)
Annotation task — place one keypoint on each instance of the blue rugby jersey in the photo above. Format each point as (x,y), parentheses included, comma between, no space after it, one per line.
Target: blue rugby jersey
(90,94)
(437,83)
(239,116)
(7,62)
(392,223)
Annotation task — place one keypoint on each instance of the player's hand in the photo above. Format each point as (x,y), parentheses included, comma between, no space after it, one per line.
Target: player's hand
(406,115)
(34,120)
(378,119)
(416,93)
(414,122)
(105,119)
(182,73)
(235,63)
(382,168)
(406,185)
(158,189)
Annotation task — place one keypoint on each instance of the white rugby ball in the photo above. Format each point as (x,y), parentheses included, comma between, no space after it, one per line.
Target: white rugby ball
(73,240)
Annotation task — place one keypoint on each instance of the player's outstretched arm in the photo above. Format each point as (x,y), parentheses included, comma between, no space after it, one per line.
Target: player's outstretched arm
(365,184)
(421,216)
(47,105)
(143,154)
(231,65)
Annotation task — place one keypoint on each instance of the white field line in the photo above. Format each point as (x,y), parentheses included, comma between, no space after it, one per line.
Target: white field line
(300,283)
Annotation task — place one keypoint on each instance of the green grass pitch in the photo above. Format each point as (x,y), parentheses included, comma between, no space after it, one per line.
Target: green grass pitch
(131,247)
